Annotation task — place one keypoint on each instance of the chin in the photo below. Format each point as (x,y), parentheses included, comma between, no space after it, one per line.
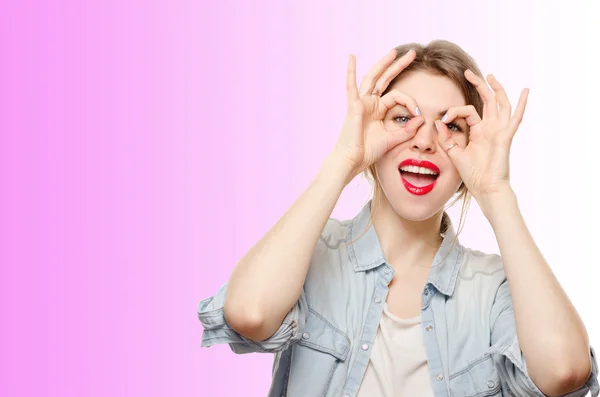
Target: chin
(415,212)
(417,207)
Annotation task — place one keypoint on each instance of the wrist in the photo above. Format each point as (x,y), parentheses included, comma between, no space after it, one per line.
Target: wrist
(340,167)
(498,204)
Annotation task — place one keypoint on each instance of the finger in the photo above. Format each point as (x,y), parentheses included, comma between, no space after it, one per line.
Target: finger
(368,82)
(504,109)
(446,142)
(413,124)
(468,112)
(351,89)
(395,97)
(394,70)
(404,134)
(487,96)
(517,117)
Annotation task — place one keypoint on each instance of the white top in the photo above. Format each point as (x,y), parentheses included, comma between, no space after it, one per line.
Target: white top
(398,363)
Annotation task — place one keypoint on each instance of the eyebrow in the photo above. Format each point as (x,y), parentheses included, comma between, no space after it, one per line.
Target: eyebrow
(443,112)
(440,114)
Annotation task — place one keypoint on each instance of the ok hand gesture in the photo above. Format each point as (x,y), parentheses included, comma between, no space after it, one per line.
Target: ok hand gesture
(364,139)
(483,163)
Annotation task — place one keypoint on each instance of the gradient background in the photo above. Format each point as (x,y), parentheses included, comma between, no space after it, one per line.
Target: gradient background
(146,145)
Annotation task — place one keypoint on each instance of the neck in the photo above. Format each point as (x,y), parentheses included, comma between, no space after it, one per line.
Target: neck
(406,244)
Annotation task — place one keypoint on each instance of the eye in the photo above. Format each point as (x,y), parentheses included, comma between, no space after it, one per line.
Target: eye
(454,127)
(401,119)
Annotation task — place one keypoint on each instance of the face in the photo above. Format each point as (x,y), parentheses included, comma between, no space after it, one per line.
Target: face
(417,176)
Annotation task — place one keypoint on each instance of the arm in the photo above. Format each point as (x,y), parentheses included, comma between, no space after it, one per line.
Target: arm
(551,334)
(269,279)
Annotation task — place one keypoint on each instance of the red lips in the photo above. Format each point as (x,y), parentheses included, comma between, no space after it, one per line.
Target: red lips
(421,163)
(419,190)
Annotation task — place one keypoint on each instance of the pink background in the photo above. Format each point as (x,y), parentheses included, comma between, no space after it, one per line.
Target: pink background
(146,145)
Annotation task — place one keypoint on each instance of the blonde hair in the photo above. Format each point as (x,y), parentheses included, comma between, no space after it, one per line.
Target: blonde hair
(446,59)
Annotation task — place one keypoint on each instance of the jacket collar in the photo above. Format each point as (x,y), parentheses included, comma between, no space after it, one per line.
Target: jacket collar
(366,253)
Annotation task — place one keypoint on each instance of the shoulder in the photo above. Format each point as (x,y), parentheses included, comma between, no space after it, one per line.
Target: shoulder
(334,237)
(480,271)
(327,278)
(335,233)
(481,286)
(330,256)
(476,263)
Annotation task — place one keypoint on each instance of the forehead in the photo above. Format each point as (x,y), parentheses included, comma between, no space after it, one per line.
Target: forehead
(430,90)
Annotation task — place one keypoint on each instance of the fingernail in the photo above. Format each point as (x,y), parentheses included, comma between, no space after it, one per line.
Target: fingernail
(421,123)
(445,117)
(417,111)
(436,127)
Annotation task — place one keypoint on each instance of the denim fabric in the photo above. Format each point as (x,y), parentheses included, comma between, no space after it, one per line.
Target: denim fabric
(322,347)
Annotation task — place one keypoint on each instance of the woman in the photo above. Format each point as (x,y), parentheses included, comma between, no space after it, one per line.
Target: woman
(390,303)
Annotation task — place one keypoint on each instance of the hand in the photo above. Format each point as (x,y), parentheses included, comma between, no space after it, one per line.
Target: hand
(364,139)
(483,163)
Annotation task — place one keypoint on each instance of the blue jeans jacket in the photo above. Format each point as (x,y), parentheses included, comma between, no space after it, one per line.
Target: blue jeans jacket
(322,347)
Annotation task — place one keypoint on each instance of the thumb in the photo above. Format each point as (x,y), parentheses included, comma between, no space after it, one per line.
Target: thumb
(404,134)
(413,125)
(447,143)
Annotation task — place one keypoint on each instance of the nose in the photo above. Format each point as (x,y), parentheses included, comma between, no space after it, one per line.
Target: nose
(425,139)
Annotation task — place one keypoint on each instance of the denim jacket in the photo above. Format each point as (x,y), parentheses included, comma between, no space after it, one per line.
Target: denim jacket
(322,346)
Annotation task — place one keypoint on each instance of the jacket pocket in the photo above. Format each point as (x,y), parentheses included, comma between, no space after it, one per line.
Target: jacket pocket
(478,379)
(316,356)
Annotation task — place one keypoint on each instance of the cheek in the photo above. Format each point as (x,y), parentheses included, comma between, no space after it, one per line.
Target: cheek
(453,175)
(385,166)
(390,156)
(453,178)
(461,139)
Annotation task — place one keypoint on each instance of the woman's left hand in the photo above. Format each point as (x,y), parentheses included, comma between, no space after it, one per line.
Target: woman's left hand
(483,163)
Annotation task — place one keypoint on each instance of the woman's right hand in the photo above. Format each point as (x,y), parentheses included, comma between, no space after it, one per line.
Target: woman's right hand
(364,138)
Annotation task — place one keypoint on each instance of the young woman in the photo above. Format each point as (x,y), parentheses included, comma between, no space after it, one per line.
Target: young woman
(390,303)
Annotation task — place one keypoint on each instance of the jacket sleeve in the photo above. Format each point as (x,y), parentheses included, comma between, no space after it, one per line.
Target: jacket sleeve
(216,329)
(509,359)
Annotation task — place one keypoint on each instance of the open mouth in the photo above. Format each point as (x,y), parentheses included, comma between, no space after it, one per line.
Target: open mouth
(418,176)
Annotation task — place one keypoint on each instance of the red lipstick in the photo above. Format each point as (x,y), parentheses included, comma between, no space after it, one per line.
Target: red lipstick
(419,190)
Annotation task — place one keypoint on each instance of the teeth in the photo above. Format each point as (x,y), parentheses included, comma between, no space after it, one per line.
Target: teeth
(417,170)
